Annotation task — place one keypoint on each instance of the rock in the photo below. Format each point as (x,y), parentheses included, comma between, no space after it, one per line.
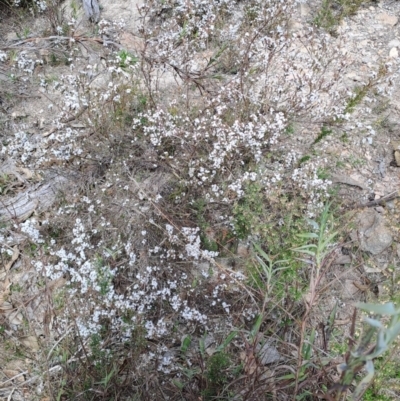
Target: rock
(342,260)
(395,144)
(393,52)
(373,234)
(92,10)
(19,114)
(394,43)
(304,10)
(353,76)
(387,19)
(11,36)
(349,289)
(243,249)
(397,157)
(345,179)
(267,353)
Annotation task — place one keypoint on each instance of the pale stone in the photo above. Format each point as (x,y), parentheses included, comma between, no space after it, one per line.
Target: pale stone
(394,43)
(304,10)
(354,76)
(373,234)
(387,19)
(11,36)
(393,52)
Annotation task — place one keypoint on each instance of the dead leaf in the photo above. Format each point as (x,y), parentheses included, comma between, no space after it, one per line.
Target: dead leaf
(4,291)
(30,342)
(345,179)
(339,322)
(10,373)
(14,257)
(6,308)
(249,361)
(28,173)
(15,317)
(58,283)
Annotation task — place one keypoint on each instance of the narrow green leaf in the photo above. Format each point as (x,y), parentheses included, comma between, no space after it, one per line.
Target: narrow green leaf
(307,235)
(313,224)
(226,342)
(306,252)
(202,346)
(286,377)
(373,322)
(362,386)
(309,246)
(178,384)
(186,344)
(392,332)
(386,309)
(262,253)
(332,316)
(256,326)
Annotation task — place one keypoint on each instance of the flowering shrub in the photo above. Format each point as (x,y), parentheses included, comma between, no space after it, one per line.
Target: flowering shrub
(185,149)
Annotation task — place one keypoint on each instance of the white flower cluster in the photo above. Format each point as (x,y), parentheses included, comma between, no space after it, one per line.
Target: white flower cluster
(39,5)
(24,63)
(92,280)
(29,227)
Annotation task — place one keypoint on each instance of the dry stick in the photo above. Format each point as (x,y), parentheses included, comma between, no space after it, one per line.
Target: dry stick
(74,117)
(380,201)
(9,396)
(61,38)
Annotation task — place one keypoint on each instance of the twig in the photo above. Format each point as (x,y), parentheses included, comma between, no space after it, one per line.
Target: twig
(386,198)
(74,117)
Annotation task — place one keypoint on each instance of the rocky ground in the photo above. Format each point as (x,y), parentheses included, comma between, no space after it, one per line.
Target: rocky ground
(67,173)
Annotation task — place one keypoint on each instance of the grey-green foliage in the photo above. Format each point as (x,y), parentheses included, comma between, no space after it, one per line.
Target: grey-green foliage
(376,339)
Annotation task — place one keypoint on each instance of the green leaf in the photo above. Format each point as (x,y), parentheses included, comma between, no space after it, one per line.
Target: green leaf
(307,235)
(362,386)
(256,326)
(309,246)
(286,377)
(178,384)
(313,224)
(202,345)
(226,342)
(373,322)
(332,316)
(386,309)
(311,253)
(307,348)
(262,253)
(186,344)
(392,332)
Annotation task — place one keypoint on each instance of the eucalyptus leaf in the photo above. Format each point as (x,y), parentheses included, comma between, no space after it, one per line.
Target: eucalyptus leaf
(373,322)
(392,332)
(385,309)
(364,383)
